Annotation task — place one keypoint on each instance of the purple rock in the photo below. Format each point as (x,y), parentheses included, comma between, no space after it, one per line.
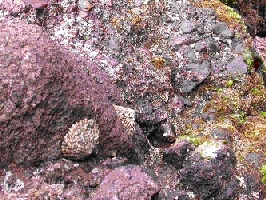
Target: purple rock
(46,89)
(127,182)
(237,66)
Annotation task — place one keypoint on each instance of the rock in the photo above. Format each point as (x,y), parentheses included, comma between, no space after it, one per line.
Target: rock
(171,194)
(168,132)
(188,26)
(239,48)
(44,90)
(126,182)
(37,3)
(219,27)
(186,101)
(138,44)
(178,41)
(255,159)
(193,76)
(237,66)
(221,134)
(127,117)
(176,154)
(46,191)
(73,192)
(12,6)
(260,46)
(207,170)
(228,34)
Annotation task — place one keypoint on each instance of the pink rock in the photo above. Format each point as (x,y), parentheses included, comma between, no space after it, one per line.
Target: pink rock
(127,182)
(44,90)
(37,3)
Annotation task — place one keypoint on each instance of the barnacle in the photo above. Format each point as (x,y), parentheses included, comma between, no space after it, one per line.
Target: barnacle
(81,140)
(127,117)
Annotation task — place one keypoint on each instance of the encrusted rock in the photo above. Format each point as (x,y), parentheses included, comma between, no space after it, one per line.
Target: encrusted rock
(127,182)
(81,140)
(45,89)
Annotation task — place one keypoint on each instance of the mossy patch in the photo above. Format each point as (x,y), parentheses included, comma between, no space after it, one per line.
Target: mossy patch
(263,171)
(243,105)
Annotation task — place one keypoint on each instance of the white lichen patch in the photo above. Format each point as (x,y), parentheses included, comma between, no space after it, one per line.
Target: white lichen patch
(81,140)
(209,149)
(12,184)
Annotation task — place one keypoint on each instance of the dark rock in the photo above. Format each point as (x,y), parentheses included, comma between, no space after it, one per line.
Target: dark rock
(168,132)
(252,187)
(207,177)
(219,27)
(46,89)
(194,75)
(127,182)
(176,155)
(207,117)
(214,47)
(231,191)
(222,135)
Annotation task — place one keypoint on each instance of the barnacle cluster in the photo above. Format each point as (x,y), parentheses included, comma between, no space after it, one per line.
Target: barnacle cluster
(81,140)
(127,117)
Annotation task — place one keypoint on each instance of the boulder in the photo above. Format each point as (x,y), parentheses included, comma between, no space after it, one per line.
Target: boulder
(44,90)
(127,182)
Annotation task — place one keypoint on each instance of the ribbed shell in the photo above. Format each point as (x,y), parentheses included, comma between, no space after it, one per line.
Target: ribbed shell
(81,140)
(127,117)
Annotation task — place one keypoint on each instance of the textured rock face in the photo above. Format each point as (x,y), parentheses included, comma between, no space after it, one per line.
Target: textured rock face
(208,172)
(127,182)
(44,90)
(160,54)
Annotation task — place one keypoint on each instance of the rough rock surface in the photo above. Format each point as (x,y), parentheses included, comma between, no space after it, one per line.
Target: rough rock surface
(127,182)
(44,90)
(169,61)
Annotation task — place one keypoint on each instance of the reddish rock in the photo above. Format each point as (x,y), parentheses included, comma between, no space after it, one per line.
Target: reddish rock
(127,182)
(12,6)
(37,3)
(45,89)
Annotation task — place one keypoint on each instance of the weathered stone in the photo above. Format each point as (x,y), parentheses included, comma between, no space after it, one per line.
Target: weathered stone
(188,26)
(237,66)
(127,182)
(208,169)
(45,89)
(219,27)
(177,154)
(37,3)
(193,76)
(228,34)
